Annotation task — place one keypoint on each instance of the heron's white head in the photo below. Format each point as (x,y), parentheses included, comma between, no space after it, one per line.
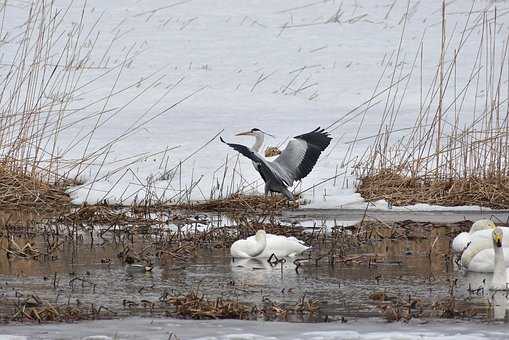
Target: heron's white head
(260,235)
(482,225)
(497,236)
(254,132)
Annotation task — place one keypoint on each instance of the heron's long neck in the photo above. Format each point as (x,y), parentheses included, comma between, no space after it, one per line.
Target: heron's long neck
(499,271)
(258,143)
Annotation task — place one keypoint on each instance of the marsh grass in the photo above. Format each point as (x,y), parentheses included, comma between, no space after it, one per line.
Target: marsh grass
(445,158)
(50,70)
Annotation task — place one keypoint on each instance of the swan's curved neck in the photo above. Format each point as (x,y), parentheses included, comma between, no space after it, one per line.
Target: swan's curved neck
(258,142)
(261,243)
(472,250)
(499,271)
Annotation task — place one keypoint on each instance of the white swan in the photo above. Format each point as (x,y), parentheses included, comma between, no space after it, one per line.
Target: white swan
(250,247)
(479,255)
(281,246)
(462,240)
(499,280)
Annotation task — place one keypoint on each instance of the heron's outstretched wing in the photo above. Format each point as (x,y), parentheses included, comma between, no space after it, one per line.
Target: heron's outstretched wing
(302,152)
(265,169)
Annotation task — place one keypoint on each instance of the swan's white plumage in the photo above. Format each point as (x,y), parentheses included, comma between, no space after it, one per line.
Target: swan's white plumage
(485,236)
(281,246)
(484,261)
(251,247)
(479,255)
(461,241)
(499,280)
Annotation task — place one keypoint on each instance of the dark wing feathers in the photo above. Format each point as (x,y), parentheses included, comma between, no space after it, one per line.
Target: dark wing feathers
(244,150)
(295,162)
(261,166)
(318,137)
(317,141)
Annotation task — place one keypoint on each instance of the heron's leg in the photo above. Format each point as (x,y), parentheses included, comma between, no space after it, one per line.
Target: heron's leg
(267,189)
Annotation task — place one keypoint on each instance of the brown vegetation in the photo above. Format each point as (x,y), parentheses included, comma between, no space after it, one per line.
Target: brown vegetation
(18,189)
(243,203)
(444,158)
(401,190)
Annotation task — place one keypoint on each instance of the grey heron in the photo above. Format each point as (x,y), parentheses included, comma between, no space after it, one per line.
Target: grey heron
(294,163)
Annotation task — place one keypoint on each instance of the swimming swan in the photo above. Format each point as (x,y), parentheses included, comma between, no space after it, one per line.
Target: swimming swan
(281,246)
(499,280)
(461,241)
(479,256)
(250,247)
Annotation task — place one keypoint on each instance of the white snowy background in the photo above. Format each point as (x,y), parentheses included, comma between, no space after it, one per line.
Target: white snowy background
(187,70)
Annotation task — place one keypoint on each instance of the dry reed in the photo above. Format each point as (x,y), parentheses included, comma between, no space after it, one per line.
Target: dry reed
(444,158)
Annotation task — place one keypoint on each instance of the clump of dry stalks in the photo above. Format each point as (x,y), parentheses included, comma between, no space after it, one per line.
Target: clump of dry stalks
(395,308)
(401,190)
(246,203)
(445,158)
(18,189)
(197,306)
(34,309)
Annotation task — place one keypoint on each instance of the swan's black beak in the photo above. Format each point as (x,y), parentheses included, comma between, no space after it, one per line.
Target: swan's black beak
(497,237)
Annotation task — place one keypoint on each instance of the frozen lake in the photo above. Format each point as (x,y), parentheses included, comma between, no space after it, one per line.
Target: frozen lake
(164,329)
(168,78)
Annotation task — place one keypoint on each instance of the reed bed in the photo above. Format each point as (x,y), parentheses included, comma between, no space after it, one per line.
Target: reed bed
(456,150)
(37,93)
(197,306)
(402,190)
(49,70)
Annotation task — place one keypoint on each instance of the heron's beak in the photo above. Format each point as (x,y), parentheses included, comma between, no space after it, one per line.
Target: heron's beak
(268,134)
(498,240)
(247,133)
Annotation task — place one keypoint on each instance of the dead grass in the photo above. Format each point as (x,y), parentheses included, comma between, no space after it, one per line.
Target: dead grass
(18,189)
(195,305)
(399,190)
(32,308)
(454,153)
(245,203)
(393,307)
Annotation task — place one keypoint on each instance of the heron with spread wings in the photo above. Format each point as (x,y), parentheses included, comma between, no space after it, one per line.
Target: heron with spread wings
(294,163)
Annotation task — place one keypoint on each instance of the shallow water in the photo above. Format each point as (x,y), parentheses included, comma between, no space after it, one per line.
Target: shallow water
(87,271)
